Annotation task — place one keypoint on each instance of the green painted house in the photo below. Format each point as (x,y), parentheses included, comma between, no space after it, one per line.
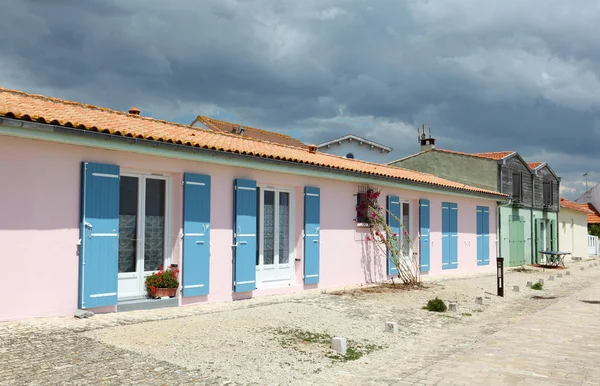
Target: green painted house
(529,223)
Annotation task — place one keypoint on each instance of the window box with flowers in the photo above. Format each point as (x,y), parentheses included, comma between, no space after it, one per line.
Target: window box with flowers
(162,283)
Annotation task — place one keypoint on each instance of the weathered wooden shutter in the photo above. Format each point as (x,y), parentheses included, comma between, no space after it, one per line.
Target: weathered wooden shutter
(99,232)
(196,234)
(312,232)
(244,236)
(424,241)
(393,207)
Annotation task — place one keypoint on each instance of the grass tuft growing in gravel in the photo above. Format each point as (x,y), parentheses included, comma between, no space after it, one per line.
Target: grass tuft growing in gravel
(293,338)
(436,305)
(537,286)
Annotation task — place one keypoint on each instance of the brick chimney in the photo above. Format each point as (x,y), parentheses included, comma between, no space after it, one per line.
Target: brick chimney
(426,140)
(134,111)
(312,149)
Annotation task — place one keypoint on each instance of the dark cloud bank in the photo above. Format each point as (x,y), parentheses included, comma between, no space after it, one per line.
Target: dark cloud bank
(485,75)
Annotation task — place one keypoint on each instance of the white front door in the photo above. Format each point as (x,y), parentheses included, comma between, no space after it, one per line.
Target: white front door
(142,230)
(275,261)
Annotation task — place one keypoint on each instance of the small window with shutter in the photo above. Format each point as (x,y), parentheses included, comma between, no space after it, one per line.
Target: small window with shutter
(547,193)
(517,187)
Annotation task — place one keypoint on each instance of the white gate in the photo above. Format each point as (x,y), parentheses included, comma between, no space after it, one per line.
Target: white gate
(592,245)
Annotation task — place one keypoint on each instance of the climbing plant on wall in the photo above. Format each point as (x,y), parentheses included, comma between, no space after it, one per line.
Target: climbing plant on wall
(393,245)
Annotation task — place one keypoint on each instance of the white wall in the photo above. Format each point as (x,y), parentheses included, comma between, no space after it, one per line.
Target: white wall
(572,232)
(361,152)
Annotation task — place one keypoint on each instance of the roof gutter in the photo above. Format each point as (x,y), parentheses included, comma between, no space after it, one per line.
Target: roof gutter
(74,136)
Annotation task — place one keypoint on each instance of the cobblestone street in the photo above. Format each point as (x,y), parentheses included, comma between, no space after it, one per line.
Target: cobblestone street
(556,346)
(551,340)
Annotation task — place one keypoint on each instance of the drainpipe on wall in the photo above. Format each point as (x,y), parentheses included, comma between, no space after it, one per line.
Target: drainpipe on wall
(557,212)
(532,229)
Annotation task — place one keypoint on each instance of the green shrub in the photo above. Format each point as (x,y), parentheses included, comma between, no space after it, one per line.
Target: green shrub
(436,305)
(537,286)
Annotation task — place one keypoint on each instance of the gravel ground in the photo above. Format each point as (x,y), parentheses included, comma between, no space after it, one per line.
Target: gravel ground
(283,339)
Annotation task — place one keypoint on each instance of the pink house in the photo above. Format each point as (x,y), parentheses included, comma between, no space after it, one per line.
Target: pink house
(93,200)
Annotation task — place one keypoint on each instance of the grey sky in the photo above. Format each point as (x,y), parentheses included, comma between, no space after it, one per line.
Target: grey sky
(485,75)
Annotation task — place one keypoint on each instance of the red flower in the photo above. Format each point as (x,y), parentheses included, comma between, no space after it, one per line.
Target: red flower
(376,233)
(405,233)
(395,234)
(159,273)
(368,238)
(374,215)
(160,267)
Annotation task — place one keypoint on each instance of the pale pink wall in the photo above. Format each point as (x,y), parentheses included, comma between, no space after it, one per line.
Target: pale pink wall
(39,225)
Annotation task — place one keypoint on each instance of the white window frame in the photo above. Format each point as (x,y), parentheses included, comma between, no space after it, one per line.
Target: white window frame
(141,176)
(292,258)
(410,224)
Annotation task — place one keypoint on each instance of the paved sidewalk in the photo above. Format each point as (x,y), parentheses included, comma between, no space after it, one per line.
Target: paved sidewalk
(559,345)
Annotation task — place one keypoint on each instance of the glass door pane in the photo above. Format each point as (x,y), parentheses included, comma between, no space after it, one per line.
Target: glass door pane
(128,219)
(269,227)
(154,224)
(284,228)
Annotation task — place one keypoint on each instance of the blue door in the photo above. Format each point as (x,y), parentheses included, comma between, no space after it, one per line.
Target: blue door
(244,236)
(312,229)
(196,234)
(483,235)
(424,241)
(99,233)
(392,217)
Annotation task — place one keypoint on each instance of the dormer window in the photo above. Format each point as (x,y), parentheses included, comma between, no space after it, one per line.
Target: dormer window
(350,155)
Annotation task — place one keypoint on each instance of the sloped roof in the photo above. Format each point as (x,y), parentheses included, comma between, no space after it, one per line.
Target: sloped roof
(534,165)
(564,203)
(495,155)
(593,216)
(356,138)
(38,108)
(251,132)
(435,149)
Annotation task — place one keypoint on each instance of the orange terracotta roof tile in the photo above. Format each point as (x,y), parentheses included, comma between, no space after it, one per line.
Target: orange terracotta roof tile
(575,206)
(534,165)
(251,132)
(593,216)
(497,155)
(38,108)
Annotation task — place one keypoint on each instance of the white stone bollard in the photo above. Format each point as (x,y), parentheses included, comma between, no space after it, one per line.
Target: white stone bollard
(391,327)
(516,288)
(568,273)
(452,307)
(559,275)
(541,281)
(529,284)
(551,278)
(480,300)
(339,345)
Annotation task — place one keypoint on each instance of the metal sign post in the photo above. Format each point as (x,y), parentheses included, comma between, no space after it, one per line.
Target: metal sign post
(500,274)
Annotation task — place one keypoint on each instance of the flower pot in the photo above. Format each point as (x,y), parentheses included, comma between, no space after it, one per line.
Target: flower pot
(163,292)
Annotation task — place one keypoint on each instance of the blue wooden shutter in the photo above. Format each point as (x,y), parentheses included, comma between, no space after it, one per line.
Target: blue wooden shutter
(196,234)
(99,232)
(445,235)
(244,236)
(453,235)
(424,242)
(485,230)
(393,207)
(312,225)
(479,214)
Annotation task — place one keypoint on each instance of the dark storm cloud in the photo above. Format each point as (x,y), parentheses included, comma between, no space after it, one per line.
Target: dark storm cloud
(514,74)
